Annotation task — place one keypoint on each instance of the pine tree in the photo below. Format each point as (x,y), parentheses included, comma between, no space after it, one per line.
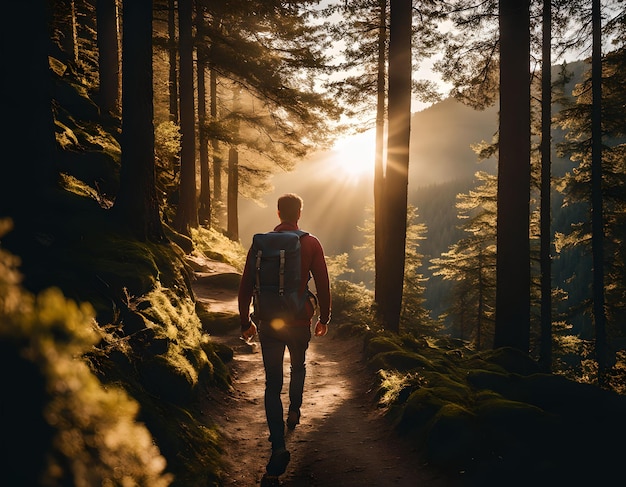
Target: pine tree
(137,203)
(471,264)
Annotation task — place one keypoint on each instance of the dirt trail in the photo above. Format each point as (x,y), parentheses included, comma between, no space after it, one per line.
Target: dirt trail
(342,439)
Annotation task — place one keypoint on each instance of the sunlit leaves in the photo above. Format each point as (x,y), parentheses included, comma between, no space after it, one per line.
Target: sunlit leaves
(575,120)
(96,438)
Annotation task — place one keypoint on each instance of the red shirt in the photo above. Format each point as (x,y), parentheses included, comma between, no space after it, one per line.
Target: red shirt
(312,258)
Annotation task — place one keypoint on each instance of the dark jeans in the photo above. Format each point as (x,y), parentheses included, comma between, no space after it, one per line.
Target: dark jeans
(273,343)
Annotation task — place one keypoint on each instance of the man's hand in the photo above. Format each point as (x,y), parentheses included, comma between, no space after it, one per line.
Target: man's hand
(249,333)
(320,329)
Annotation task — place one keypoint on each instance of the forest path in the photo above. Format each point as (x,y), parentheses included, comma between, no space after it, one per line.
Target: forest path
(343,440)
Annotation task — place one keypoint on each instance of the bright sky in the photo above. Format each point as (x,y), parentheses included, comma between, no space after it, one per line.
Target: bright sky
(353,157)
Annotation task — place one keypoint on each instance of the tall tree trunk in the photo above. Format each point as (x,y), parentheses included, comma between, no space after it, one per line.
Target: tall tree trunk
(546,179)
(397,170)
(379,174)
(597,218)
(171,48)
(30,173)
(481,300)
(187,210)
(233,192)
(137,203)
(64,12)
(232,210)
(204,208)
(513,214)
(215,152)
(108,55)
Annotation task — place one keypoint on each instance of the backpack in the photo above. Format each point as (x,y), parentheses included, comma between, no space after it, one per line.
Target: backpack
(276,260)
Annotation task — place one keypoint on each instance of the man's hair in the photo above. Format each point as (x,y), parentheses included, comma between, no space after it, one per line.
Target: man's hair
(289,206)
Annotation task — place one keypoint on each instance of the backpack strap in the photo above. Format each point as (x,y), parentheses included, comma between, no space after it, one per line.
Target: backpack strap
(281,274)
(259,254)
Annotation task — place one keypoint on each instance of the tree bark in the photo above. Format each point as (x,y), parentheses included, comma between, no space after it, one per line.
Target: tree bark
(187,210)
(397,170)
(597,217)
(64,17)
(137,203)
(108,55)
(204,208)
(513,214)
(546,179)
(171,48)
(379,174)
(215,152)
(233,192)
(232,227)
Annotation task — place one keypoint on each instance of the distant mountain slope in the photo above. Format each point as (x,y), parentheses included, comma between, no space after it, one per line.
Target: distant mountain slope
(441,139)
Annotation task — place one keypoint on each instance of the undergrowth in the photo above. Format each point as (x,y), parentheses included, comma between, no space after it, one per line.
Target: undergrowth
(60,424)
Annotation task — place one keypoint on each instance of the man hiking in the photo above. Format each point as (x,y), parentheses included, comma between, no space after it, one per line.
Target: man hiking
(278,328)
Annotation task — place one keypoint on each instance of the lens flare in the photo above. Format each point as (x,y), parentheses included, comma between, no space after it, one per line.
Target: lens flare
(277,324)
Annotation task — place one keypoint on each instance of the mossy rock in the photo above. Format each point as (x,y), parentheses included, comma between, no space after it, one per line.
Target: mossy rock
(419,409)
(96,169)
(460,390)
(348,330)
(223,352)
(458,396)
(508,419)
(415,344)
(474,362)
(381,344)
(519,435)
(216,372)
(493,381)
(399,360)
(453,437)
(217,323)
(512,360)
(162,380)
(558,394)
(225,280)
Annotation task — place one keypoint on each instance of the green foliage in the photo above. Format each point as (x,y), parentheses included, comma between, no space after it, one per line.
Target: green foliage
(149,339)
(217,246)
(352,303)
(167,142)
(470,264)
(337,266)
(167,138)
(91,434)
(400,360)
(413,314)
(576,189)
(381,344)
(490,413)
(394,384)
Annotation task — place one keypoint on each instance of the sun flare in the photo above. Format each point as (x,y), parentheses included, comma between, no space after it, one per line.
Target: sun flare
(353,157)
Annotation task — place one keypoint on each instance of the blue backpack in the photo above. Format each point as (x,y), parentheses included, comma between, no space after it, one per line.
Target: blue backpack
(276,260)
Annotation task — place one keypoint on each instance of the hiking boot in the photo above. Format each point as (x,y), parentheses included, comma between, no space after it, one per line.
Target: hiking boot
(270,481)
(293,418)
(278,462)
